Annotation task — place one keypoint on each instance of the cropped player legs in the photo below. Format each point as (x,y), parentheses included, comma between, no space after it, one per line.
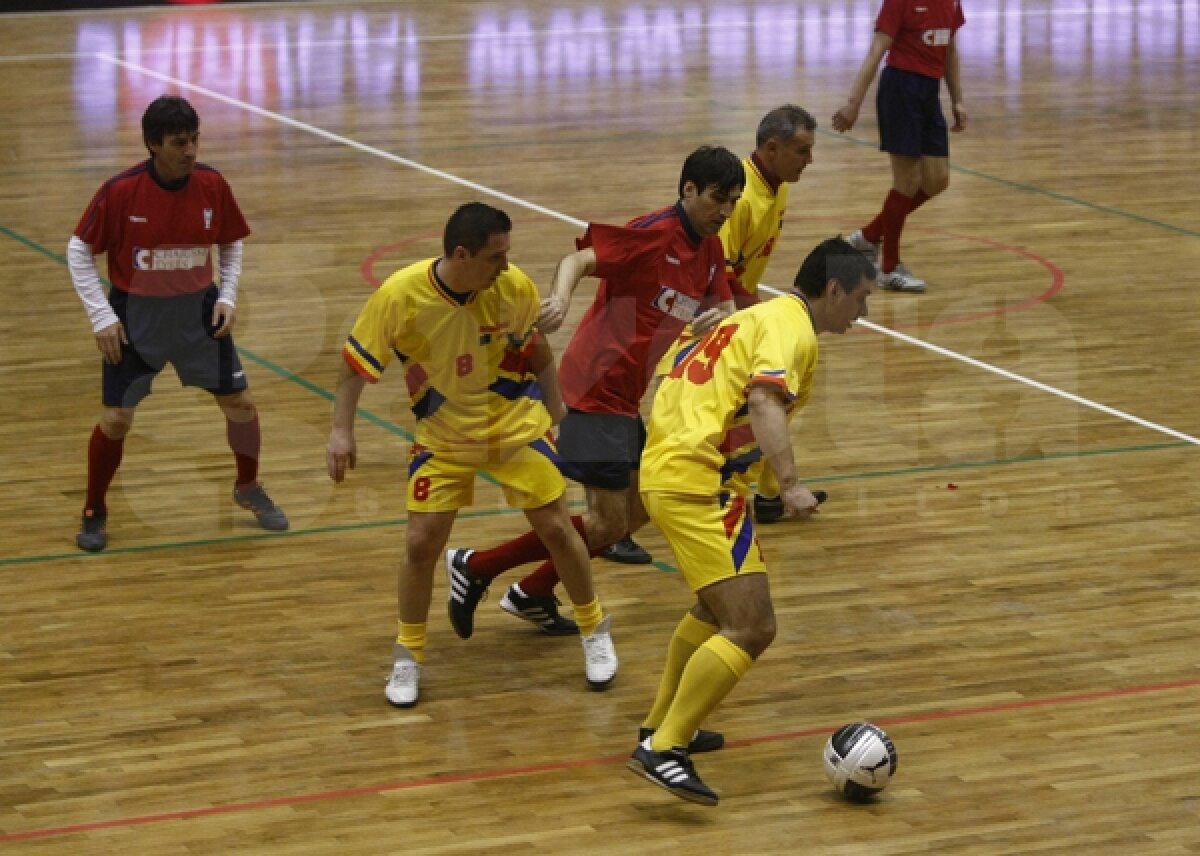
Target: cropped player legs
(428,532)
(567,551)
(915,180)
(746,621)
(611,515)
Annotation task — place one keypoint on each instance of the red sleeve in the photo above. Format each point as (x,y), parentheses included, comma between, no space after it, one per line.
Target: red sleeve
(891,16)
(93,225)
(959,20)
(621,252)
(233,224)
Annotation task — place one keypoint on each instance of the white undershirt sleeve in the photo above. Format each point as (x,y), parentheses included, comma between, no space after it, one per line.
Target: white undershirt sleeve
(229,268)
(82,265)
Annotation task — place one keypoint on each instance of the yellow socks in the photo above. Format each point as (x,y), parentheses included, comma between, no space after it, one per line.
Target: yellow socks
(412,637)
(588,616)
(689,635)
(710,674)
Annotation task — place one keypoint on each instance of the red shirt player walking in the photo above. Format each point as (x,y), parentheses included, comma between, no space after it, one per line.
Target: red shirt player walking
(918,38)
(157,224)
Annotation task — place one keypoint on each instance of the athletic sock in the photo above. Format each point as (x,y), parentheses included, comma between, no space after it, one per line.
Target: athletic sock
(689,635)
(588,616)
(710,674)
(412,637)
(895,210)
(245,440)
(104,458)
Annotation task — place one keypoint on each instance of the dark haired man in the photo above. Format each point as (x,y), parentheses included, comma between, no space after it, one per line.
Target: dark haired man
(659,272)
(157,223)
(726,404)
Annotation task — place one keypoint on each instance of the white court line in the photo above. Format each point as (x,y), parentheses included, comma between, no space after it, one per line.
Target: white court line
(549,212)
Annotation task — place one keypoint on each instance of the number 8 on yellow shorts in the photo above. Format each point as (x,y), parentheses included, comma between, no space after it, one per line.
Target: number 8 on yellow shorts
(711,541)
(528,475)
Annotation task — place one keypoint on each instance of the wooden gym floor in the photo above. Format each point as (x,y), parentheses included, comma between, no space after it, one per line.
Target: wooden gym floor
(1004,578)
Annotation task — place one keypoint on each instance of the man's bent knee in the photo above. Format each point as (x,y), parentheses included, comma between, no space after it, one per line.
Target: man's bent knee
(116,422)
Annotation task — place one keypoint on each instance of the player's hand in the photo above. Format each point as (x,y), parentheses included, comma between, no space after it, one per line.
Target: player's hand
(109,341)
(798,501)
(845,117)
(552,315)
(708,319)
(340,454)
(960,118)
(222,319)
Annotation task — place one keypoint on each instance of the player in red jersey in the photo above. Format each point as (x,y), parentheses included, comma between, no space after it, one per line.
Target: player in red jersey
(918,38)
(658,273)
(157,223)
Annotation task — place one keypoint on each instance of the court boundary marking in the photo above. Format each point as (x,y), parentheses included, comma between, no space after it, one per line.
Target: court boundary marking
(497,773)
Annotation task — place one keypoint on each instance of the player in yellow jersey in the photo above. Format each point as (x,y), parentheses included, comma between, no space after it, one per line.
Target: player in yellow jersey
(463,327)
(783,147)
(725,404)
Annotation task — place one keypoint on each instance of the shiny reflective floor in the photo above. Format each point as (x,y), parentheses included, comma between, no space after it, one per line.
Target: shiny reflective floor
(1004,577)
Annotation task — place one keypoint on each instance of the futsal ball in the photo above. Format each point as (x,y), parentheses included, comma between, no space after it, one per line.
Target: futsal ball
(860,760)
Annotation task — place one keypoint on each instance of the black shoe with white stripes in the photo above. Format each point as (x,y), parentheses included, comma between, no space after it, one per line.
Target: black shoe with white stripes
(542,611)
(466,590)
(671,770)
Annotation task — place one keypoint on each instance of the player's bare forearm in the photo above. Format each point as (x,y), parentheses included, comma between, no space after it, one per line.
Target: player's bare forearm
(954,86)
(570,272)
(542,363)
(768,416)
(847,115)
(341,452)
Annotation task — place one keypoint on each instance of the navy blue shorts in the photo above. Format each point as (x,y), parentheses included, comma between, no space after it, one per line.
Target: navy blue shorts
(911,122)
(600,449)
(175,330)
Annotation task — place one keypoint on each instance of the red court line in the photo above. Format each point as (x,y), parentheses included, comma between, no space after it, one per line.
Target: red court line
(571,764)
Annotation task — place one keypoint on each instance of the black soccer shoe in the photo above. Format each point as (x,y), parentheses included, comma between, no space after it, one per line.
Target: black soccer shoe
(671,770)
(702,741)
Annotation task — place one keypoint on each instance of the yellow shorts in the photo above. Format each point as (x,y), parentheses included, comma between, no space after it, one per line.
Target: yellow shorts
(711,542)
(527,474)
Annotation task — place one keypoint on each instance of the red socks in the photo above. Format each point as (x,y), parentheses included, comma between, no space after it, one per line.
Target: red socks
(895,210)
(104,457)
(489,564)
(889,223)
(245,439)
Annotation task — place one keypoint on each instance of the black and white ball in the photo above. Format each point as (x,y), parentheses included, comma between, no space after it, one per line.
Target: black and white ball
(860,760)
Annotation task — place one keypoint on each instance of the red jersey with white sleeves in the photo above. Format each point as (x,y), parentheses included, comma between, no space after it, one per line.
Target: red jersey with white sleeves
(158,238)
(657,274)
(921,31)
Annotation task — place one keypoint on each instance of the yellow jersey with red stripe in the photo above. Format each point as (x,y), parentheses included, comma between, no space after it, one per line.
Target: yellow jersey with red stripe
(751,233)
(464,357)
(700,436)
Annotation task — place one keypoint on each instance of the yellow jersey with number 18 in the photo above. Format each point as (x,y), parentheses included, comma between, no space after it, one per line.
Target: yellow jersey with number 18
(463,356)
(700,435)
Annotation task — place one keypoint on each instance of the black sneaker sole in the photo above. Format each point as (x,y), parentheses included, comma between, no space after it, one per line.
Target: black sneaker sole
(635,766)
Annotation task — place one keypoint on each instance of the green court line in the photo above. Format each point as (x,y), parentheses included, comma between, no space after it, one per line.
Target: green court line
(1037,191)
(662,566)
(237,539)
